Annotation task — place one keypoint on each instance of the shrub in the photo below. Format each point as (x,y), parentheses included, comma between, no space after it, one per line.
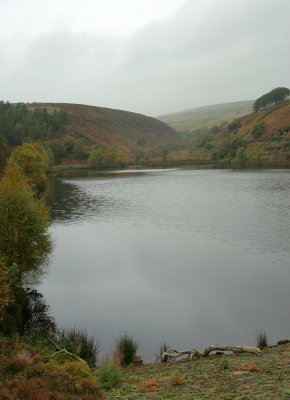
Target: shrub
(262,340)
(258,130)
(22,362)
(109,375)
(81,344)
(67,377)
(126,349)
(162,348)
(225,362)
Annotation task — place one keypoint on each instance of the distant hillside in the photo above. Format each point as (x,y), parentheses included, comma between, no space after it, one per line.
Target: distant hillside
(71,130)
(264,135)
(135,136)
(207,116)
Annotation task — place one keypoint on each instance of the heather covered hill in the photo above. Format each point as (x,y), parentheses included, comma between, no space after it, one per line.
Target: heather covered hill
(264,137)
(135,135)
(71,132)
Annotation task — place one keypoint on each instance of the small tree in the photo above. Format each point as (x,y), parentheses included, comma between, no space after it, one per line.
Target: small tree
(34,162)
(24,237)
(96,157)
(242,156)
(126,349)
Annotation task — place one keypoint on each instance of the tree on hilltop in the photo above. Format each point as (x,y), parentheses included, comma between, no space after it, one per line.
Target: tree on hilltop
(271,99)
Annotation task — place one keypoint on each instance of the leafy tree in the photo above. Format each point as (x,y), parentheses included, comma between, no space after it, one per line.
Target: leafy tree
(58,149)
(97,157)
(36,317)
(24,238)
(34,162)
(242,156)
(79,150)
(19,123)
(271,99)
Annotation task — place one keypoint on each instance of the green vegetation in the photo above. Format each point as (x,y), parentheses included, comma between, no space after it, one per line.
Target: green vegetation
(262,340)
(80,343)
(255,139)
(25,242)
(20,123)
(258,130)
(242,157)
(72,133)
(126,349)
(225,362)
(228,377)
(24,239)
(28,372)
(109,375)
(271,99)
(102,158)
(34,161)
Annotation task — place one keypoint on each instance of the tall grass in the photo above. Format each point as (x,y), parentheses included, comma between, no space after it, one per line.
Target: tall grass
(126,349)
(109,375)
(262,340)
(80,343)
(158,355)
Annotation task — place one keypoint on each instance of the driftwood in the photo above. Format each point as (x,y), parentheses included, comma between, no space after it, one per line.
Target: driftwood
(173,354)
(234,349)
(66,352)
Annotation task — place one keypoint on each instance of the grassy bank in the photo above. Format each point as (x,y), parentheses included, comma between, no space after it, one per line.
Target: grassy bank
(30,370)
(244,377)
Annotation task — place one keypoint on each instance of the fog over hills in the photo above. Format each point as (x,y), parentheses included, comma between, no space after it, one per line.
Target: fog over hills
(207,116)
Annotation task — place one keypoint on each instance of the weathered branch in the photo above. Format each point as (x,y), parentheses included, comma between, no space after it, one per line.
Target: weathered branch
(173,354)
(66,352)
(234,349)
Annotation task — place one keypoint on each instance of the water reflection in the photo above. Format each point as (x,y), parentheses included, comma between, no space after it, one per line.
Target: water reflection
(187,256)
(68,203)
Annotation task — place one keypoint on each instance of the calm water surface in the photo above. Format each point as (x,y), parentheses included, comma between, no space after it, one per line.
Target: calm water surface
(190,257)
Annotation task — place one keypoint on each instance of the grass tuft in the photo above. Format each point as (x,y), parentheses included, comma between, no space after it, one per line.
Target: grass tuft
(81,344)
(126,349)
(109,375)
(158,355)
(262,340)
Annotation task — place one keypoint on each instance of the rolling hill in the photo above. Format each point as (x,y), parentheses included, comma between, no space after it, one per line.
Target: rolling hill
(133,134)
(265,136)
(207,116)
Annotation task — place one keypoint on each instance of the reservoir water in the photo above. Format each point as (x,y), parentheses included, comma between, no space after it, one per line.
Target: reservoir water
(187,256)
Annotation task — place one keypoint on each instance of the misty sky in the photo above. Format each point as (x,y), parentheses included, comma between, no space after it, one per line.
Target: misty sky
(147,56)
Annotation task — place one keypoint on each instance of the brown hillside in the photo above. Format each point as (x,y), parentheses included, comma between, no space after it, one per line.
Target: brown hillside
(275,119)
(127,131)
(264,134)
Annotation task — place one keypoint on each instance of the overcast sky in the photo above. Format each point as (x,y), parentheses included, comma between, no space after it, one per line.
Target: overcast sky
(147,56)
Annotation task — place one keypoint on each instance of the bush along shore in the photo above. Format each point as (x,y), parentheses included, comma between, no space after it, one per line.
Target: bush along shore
(63,365)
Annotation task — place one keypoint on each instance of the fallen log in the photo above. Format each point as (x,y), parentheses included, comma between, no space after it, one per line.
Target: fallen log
(65,352)
(234,349)
(173,354)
